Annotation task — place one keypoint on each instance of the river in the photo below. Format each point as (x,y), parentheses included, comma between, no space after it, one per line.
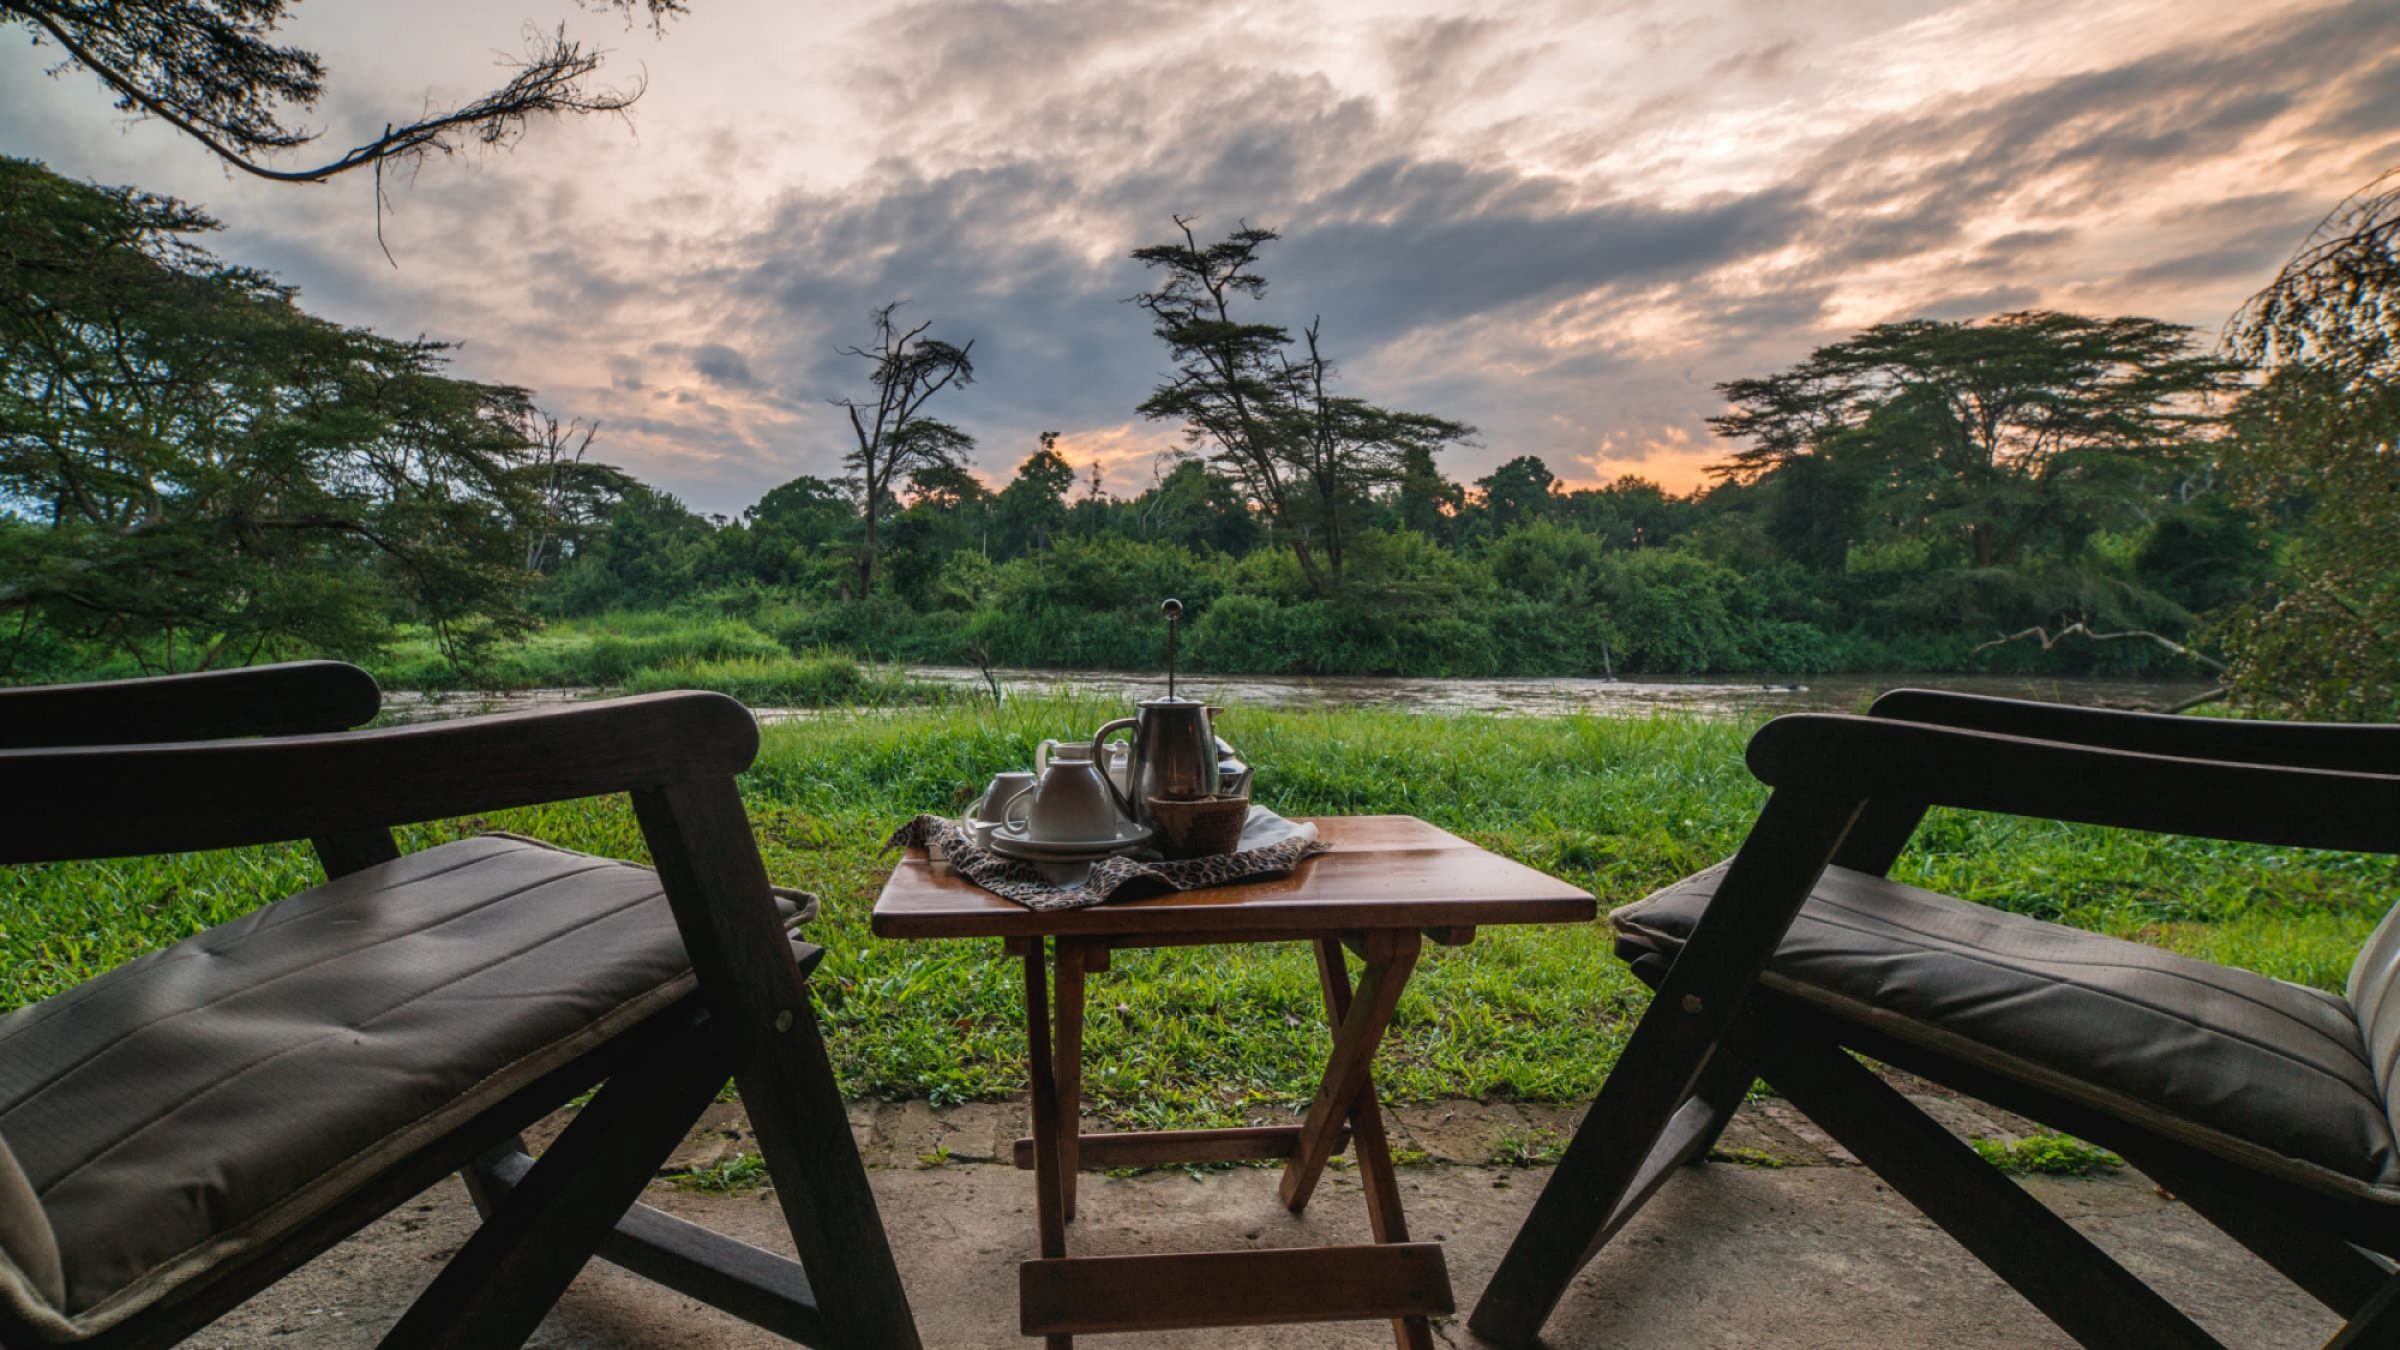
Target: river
(1718,695)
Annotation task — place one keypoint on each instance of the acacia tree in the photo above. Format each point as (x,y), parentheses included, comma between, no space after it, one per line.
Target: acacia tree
(1994,432)
(1225,388)
(195,471)
(1265,416)
(1344,448)
(895,438)
(212,70)
(2319,442)
(575,497)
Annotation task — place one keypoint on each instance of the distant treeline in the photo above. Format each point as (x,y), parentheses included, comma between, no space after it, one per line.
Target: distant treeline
(195,472)
(1514,577)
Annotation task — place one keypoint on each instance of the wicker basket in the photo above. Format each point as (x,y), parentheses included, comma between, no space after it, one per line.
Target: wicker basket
(1198,829)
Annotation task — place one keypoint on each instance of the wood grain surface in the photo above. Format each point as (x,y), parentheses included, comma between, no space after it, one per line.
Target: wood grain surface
(1382,872)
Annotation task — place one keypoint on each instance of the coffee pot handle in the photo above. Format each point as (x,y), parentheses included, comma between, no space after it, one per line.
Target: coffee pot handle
(1100,761)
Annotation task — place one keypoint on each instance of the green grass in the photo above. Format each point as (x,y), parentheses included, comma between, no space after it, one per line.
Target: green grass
(1540,1148)
(2054,1155)
(645,652)
(729,1176)
(1747,1157)
(815,680)
(1207,1035)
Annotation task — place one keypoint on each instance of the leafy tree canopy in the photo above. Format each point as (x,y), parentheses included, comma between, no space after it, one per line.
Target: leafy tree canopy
(2319,440)
(1517,491)
(1262,408)
(2001,431)
(215,473)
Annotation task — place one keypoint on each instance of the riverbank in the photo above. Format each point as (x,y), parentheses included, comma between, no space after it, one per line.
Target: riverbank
(641,651)
(785,689)
(780,672)
(1200,1036)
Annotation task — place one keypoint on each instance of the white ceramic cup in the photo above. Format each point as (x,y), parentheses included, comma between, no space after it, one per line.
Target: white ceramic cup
(1068,803)
(996,795)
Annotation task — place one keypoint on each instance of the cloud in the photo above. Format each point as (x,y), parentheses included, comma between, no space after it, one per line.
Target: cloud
(1974,304)
(2254,255)
(1563,223)
(719,364)
(1758,63)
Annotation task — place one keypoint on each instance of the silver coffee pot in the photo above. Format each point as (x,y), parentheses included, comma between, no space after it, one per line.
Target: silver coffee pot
(1175,749)
(1174,754)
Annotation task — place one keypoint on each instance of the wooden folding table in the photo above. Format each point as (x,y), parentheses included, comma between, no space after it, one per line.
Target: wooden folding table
(1389,883)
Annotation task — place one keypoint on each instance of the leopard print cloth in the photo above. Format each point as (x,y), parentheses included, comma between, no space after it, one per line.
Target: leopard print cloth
(1117,878)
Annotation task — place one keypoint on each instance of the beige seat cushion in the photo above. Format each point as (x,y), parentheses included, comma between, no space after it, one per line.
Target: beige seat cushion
(189,1105)
(2374,992)
(2270,1073)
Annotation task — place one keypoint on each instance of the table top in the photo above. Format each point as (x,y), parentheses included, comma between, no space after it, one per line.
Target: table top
(1382,872)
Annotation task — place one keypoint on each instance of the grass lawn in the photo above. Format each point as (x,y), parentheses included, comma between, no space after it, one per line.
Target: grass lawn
(638,653)
(1201,1035)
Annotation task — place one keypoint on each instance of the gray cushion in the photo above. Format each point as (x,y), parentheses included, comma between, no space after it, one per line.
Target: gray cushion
(29,1247)
(2249,1067)
(189,1105)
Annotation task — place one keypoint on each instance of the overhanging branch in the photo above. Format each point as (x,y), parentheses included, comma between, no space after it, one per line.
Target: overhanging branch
(2049,641)
(550,81)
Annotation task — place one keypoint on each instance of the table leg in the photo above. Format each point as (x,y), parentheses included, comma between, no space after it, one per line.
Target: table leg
(1067,1068)
(1384,1218)
(1049,1207)
(1390,956)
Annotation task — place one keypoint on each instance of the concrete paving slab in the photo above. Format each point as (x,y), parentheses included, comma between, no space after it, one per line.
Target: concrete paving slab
(1809,1254)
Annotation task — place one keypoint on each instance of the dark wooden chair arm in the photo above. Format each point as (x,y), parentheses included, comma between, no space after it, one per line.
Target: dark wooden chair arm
(2312,745)
(124,800)
(295,698)
(1864,760)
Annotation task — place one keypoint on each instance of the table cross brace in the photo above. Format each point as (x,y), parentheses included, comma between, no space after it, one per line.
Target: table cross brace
(1344,1110)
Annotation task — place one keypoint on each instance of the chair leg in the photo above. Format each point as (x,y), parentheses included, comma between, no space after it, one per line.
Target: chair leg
(1724,1086)
(1691,1132)
(2057,1269)
(501,1284)
(701,842)
(1655,1112)
(2342,1277)
(2376,1323)
(1617,1149)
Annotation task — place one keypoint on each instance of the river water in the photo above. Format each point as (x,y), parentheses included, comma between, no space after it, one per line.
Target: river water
(1547,697)
(1719,695)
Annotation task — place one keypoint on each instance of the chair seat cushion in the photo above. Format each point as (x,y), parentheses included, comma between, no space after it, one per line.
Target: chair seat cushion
(2253,1068)
(192,1104)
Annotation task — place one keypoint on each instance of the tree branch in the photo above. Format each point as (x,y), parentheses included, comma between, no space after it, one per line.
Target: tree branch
(2049,641)
(549,81)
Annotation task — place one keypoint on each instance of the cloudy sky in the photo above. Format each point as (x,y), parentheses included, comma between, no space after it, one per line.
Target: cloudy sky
(1562,222)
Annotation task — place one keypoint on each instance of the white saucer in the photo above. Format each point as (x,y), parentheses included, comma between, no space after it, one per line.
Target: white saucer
(1011,842)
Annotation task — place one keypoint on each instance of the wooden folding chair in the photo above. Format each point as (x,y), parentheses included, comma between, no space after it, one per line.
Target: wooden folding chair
(180,1132)
(2269,1108)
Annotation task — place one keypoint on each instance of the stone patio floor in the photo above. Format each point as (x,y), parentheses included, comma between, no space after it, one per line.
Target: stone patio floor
(1794,1245)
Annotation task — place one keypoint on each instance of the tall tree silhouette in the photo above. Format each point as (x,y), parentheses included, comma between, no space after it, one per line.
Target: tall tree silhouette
(906,369)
